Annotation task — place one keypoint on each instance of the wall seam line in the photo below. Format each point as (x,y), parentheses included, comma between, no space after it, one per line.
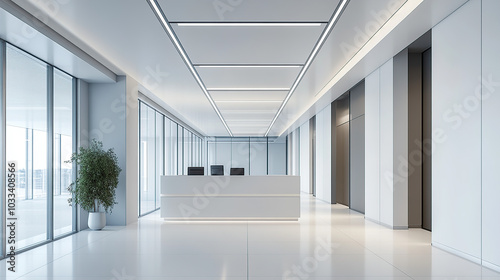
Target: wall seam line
(379,148)
(481,125)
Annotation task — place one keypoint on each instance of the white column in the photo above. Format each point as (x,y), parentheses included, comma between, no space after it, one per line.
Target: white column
(456,117)
(490,134)
(304,157)
(323,154)
(372,146)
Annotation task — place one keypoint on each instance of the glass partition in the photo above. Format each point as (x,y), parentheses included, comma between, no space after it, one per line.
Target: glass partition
(166,148)
(277,157)
(240,153)
(258,156)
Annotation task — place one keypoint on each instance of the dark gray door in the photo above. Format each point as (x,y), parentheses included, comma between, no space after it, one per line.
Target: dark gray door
(343,164)
(357,148)
(426,135)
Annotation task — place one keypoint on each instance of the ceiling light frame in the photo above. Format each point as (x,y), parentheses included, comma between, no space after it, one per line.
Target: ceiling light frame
(331,23)
(248,65)
(248,101)
(171,34)
(249,24)
(248,89)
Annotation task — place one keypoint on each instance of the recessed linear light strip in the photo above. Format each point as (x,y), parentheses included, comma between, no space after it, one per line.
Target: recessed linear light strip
(248,101)
(338,11)
(248,65)
(248,89)
(387,28)
(163,19)
(249,24)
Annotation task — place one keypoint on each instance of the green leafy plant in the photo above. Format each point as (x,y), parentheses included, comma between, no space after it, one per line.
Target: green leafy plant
(97,178)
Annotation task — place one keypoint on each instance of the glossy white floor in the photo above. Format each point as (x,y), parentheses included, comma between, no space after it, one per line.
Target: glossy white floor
(329,242)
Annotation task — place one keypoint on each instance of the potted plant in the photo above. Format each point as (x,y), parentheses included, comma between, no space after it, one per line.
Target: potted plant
(96,182)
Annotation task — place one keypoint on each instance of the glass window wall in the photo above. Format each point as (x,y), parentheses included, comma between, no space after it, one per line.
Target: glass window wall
(36,127)
(258,155)
(166,148)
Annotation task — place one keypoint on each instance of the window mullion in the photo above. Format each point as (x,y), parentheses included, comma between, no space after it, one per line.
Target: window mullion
(50,152)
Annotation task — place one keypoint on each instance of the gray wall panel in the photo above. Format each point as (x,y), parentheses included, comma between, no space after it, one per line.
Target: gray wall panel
(415,140)
(342,167)
(357,103)
(427,140)
(357,164)
(312,155)
(334,153)
(400,140)
(342,109)
(357,147)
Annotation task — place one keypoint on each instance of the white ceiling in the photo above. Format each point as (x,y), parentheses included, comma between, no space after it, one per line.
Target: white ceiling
(22,35)
(126,37)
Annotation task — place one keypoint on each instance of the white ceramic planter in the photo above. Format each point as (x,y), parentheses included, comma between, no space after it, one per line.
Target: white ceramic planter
(97,220)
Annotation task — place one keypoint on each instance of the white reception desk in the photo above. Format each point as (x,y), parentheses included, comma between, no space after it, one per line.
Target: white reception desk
(230,197)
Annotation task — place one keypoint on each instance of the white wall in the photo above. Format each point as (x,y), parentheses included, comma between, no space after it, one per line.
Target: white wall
(293,152)
(456,162)
(465,160)
(304,158)
(386,143)
(491,134)
(323,154)
(386,125)
(83,137)
(132,161)
(113,119)
(106,125)
(372,146)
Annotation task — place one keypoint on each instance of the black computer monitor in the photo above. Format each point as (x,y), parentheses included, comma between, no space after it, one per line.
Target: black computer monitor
(217,170)
(196,171)
(237,171)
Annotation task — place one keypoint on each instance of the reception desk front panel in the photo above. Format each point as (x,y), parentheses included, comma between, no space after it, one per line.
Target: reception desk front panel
(230,197)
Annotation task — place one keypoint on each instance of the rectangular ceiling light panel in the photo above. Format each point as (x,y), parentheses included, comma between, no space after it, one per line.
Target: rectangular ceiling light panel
(248,95)
(249,11)
(249,106)
(248,45)
(248,77)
